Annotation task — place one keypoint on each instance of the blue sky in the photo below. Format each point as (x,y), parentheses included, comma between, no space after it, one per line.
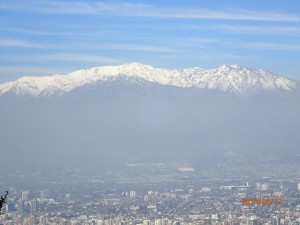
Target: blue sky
(41,37)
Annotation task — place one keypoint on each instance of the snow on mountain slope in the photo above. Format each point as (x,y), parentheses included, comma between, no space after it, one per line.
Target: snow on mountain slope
(227,78)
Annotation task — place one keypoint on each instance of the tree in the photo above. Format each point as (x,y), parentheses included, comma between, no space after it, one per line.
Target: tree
(3,200)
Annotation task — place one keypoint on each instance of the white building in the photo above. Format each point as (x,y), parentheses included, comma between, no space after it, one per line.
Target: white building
(132,194)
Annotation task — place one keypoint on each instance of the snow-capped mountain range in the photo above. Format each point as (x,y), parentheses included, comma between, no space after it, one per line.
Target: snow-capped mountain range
(227,78)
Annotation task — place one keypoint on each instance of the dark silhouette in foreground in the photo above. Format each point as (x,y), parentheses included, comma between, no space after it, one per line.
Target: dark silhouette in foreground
(3,201)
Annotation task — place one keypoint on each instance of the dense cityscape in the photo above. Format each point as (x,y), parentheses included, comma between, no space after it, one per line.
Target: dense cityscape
(158,194)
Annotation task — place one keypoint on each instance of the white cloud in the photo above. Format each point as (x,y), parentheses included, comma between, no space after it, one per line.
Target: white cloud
(29,70)
(269,30)
(88,31)
(263,45)
(204,40)
(144,10)
(63,57)
(134,47)
(9,73)
(21,43)
(85,45)
(272,46)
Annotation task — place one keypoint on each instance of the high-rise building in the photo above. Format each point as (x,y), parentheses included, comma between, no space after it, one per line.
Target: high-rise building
(276,221)
(44,194)
(258,185)
(100,222)
(146,222)
(146,198)
(264,187)
(205,189)
(31,220)
(33,206)
(132,194)
(247,184)
(62,222)
(25,195)
(25,221)
(252,221)
(68,196)
(42,220)
(157,222)
(298,186)
(10,207)
(20,207)
(165,221)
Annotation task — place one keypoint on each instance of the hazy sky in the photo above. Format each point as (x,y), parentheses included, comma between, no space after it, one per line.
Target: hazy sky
(44,37)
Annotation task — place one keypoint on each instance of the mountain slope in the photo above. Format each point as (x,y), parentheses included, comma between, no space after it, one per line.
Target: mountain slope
(227,78)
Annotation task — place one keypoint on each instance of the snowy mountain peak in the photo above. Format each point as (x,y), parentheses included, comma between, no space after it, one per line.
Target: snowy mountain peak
(229,78)
(135,65)
(230,67)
